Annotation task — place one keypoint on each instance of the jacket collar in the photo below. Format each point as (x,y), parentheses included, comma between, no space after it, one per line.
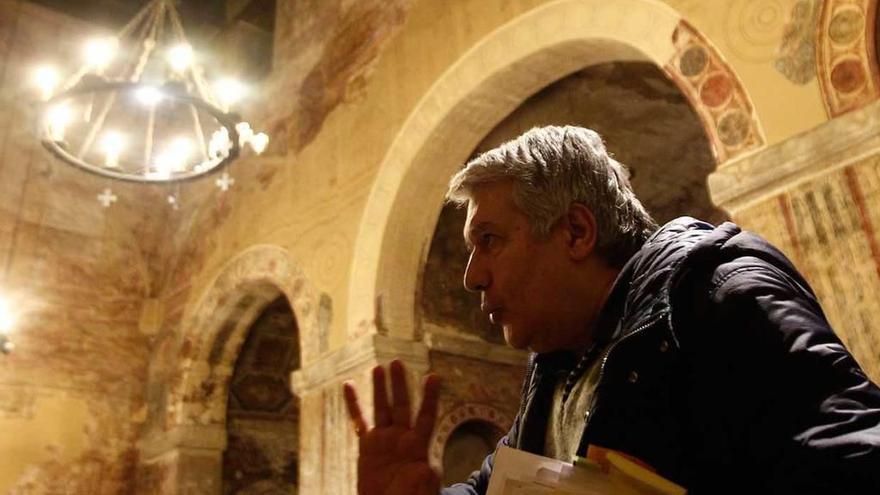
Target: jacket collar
(642,291)
(655,270)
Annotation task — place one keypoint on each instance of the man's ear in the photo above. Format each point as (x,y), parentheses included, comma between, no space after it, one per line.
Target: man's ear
(580,231)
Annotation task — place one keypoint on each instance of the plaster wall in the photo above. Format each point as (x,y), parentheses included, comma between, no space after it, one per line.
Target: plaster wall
(71,395)
(355,86)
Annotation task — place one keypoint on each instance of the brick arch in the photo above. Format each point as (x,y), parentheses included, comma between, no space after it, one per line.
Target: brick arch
(488,82)
(458,416)
(846,55)
(216,329)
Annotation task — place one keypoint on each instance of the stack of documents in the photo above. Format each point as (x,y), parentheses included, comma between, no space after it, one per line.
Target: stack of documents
(520,473)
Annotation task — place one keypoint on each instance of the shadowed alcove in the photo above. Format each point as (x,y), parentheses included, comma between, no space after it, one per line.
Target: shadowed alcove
(262,415)
(466,447)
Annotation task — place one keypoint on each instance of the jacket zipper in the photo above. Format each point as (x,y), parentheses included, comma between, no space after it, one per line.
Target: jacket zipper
(527,382)
(605,356)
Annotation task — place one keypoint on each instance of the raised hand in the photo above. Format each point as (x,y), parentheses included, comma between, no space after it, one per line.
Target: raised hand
(393,455)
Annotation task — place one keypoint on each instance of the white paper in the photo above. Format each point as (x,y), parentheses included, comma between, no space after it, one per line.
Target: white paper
(520,473)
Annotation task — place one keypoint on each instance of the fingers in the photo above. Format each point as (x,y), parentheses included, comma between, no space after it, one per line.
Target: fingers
(427,416)
(400,412)
(354,409)
(381,409)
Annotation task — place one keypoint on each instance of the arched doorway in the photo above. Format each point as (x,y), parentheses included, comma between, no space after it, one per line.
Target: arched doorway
(647,124)
(488,83)
(187,436)
(262,418)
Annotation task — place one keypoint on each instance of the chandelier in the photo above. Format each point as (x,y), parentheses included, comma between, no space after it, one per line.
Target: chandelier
(140,108)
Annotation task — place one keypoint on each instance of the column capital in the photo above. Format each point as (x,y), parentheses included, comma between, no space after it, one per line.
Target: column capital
(207,439)
(358,354)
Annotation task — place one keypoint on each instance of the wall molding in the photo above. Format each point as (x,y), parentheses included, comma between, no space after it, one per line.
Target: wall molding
(837,143)
(358,355)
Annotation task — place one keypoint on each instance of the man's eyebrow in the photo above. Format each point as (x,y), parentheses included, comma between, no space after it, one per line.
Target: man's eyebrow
(475,231)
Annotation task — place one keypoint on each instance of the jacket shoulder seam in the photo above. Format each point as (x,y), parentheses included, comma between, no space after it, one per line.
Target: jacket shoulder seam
(727,276)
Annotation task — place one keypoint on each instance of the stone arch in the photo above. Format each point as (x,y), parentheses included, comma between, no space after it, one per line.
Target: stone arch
(486,84)
(216,329)
(456,417)
(846,55)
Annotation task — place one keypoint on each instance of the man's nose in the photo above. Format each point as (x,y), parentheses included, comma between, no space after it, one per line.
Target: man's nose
(476,277)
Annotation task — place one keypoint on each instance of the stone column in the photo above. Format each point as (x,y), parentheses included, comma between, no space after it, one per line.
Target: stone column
(816,196)
(328,445)
(186,460)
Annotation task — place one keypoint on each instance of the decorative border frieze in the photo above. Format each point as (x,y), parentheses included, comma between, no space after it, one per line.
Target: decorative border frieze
(846,55)
(834,144)
(459,415)
(715,93)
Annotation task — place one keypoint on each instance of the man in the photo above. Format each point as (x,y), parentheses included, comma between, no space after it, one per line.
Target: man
(701,351)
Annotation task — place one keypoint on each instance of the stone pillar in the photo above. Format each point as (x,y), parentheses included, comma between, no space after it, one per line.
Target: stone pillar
(186,460)
(328,445)
(816,196)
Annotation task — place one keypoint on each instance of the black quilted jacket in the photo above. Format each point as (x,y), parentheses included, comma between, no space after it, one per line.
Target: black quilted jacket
(727,377)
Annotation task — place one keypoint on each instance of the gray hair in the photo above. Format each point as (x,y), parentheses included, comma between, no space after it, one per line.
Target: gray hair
(553,167)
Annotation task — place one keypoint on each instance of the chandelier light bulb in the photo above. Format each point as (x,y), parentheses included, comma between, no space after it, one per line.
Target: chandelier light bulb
(100,52)
(46,79)
(181,147)
(220,144)
(7,318)
(229,91)
(259,142)
(149,95)
(58,118)
(112,145)
(245,133)
(173,159)
(180,57)
(164,165)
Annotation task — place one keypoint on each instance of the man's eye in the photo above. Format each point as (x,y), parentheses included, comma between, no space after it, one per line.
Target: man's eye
(487,240)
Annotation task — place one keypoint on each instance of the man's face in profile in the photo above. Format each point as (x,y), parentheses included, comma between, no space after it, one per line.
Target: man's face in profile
(521,277)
